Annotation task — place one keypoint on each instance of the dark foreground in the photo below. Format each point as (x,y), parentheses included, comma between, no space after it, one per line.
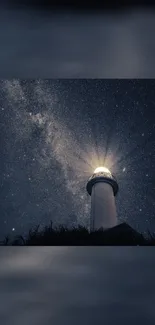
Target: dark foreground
(121,235)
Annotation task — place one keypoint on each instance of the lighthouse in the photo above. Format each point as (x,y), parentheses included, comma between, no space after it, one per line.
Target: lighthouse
(102,187)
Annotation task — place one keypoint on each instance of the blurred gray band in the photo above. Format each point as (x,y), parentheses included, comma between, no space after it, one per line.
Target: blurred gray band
(67,45)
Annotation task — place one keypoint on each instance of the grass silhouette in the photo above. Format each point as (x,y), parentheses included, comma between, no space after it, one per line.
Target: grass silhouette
(80,236)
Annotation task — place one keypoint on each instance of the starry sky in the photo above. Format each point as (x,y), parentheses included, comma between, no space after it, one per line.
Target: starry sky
(54,133)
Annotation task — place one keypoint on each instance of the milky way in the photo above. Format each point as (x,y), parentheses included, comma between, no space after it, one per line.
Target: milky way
(56,132)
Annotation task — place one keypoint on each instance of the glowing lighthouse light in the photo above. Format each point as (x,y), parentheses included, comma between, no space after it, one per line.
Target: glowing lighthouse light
(102,187)
(102,169)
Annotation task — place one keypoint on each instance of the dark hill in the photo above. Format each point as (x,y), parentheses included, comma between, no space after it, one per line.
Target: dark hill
(121,235)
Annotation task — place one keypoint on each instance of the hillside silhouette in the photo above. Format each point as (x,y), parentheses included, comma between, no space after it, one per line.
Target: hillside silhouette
(121,235)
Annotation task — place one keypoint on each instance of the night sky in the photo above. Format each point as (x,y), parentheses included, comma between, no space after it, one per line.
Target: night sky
(54,133)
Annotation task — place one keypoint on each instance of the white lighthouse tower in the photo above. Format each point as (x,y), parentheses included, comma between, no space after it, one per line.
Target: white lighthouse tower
(103,187)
